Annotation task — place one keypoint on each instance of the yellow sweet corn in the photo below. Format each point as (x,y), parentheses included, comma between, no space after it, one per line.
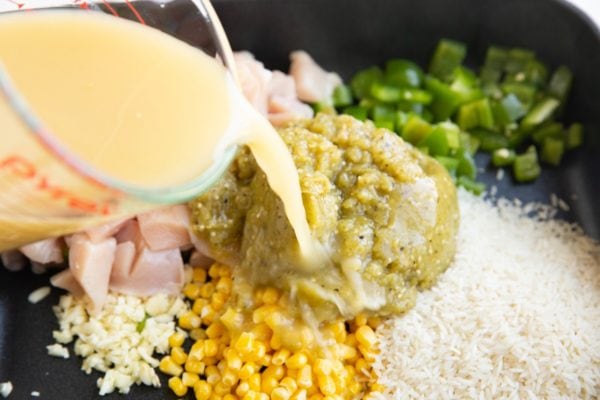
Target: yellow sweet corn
(177,386)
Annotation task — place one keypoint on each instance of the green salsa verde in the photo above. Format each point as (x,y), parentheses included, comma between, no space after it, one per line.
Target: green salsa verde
(386,215)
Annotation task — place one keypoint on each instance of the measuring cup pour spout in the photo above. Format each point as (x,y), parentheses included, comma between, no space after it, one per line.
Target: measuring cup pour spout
(61,97)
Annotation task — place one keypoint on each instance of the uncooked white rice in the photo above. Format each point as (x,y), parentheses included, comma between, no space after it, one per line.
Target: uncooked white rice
(517,315)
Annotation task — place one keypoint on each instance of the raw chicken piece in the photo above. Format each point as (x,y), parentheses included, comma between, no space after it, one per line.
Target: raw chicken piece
(105,231)
(130,232)
(65,280)
(313,83)
(44,252)
(166,228)
(272,93)
(91,265)
(152,272)
(13,260)
(124,258)
(254,79)
(283,104)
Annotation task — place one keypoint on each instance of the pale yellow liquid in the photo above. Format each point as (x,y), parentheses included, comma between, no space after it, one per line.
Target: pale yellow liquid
(134,103)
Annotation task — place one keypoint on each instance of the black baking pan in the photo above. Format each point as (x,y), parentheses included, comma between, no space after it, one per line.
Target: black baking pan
(344,36)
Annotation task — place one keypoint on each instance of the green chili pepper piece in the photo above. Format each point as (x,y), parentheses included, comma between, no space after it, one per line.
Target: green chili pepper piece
(503,157)
(403,73)
(524,92)
(517,60)
(490,141)
(495,58)
(472,186)
(445,101)
(540,112)
(466,164)
(560,83)
(361,82)
(448,55)
(526,167)
(357,112)
(551,129)
(415,129)
(552,151)
(442,138)
(469,142)
(574,136)
(476,114)
(342,96)
(450,163)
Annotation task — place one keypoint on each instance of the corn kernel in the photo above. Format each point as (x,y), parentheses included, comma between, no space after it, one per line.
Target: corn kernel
(263,396)
(323,366)
(250,395)
(232,319)
(229,377)
(289,383)
(215,396)
(346,352)
(255,382)
(229,396)
(298,360)
(189,320)
(361,366)
(316,396)
(262,332)
(270,296)
(265,361)
(202,390)
(197,334)
(338,331)
(299,395)
(275,342)
(214,271)
(280,356)
(355,387)
(377,387)
(212,374)
(360,320)
(242,389)
(206,290)
(215,330)
(169,367)
(280,393)
(191,291)
(268,384)
(366,337)
(276,371)
(374,322)
(224,285)
(267,311)
(326,384)
(199,305)
(176,339)
(221,388)
(178,355)
(177,386)
(218,301)
(244,344)
(210,360)
(189,379)
(247,370)
(211,347)
(304,378)
(194,365)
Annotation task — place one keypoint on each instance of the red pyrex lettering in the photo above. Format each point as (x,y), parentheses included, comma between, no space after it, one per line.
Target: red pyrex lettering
(22,168)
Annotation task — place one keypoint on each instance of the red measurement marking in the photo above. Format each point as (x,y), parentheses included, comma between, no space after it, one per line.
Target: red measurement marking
(16,3)
(110,8)
(22,168)
(84,6)
(135,12)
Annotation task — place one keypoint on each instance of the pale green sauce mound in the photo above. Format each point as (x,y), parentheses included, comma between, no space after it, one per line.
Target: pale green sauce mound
(386,214)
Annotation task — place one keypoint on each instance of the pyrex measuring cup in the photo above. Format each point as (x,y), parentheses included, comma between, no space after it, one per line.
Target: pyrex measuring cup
(47,191)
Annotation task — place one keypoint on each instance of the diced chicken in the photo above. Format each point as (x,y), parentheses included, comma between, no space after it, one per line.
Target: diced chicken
(14,260)
(166,228)
(283,110)
(44,252)
(130,232)
(254,79)
(152,272)
(91,265)
(313,83)
(124,258)
(66,280)
(105,231)
(284,105)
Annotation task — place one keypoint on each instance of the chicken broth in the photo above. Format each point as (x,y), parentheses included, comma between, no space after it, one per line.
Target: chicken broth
(157,115)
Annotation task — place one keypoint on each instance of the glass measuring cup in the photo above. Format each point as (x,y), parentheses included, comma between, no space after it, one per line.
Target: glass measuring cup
(47,191)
